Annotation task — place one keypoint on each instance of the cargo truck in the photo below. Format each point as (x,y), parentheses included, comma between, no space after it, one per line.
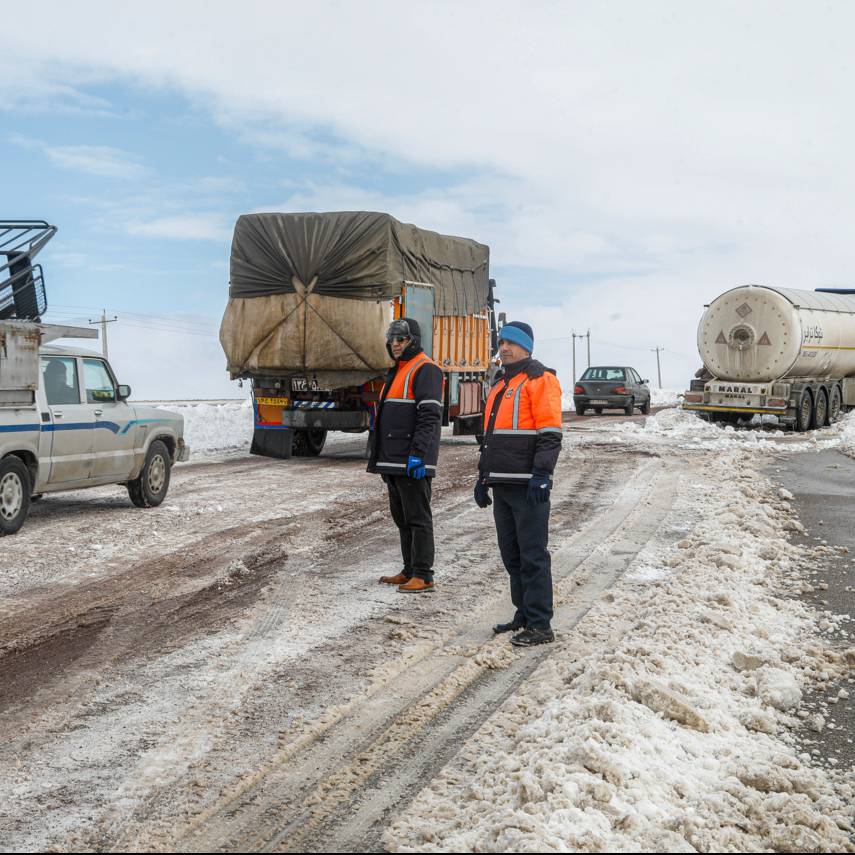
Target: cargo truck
(776,351)
(310,298)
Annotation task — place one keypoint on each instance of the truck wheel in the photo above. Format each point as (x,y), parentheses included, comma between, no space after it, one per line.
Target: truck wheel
(14,494)
(834,406)
(645,408)
(148,490)
(309,443)
(820,410)
(630,408)
(804,414)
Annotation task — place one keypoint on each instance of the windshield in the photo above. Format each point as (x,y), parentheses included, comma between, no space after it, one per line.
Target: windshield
(604,374)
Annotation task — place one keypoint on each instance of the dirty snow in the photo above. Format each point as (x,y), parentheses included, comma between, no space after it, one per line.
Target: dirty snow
(673,718)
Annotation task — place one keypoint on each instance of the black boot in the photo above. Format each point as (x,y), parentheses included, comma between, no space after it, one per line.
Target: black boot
(513,626)
(531,637)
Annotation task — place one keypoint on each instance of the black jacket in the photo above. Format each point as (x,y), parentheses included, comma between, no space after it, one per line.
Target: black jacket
(511,453)
(408,420)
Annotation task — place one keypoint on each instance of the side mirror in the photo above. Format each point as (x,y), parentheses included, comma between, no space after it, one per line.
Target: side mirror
(645,382)
(123,392)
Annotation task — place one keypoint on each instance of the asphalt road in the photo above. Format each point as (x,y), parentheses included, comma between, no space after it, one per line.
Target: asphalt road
(823,484)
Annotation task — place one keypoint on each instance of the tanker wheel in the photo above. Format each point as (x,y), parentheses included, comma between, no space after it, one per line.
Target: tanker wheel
(820,410)
(309,443)
(804,414)
(834,406)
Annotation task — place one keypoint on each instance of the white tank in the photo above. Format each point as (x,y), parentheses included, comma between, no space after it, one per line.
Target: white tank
(759,334)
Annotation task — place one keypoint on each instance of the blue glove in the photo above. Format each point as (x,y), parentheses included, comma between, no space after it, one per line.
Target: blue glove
(482,494)
(539,487)
(416,468)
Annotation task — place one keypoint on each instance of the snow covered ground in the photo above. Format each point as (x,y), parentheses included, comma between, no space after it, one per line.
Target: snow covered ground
(675,716)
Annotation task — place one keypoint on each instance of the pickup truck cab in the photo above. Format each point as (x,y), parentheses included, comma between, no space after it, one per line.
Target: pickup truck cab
(79,430)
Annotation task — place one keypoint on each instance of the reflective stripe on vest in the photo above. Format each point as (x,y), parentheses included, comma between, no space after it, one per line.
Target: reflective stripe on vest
(401,382)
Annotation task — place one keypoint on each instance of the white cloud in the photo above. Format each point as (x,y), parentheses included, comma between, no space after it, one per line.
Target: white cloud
(184,227)
(665,151)
(101,160)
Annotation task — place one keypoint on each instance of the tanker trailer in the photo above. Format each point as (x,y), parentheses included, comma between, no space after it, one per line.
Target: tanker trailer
(776,351)
(310,298)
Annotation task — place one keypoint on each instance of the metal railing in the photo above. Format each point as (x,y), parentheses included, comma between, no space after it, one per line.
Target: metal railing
(22,288)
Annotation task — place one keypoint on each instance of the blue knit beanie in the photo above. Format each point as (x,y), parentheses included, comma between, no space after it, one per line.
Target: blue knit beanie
(519,333)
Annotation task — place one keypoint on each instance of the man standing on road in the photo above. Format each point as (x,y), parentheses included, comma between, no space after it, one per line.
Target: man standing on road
(522,440)
(407,426)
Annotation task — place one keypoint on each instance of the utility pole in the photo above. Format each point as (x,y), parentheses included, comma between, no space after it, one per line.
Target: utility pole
(657,351)
(588,336)
(104,321)
(573,334)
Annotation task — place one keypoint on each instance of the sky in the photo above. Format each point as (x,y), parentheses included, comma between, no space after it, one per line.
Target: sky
(626,162)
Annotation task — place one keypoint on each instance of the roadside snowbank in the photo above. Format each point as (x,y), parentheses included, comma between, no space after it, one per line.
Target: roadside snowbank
(211,426)
(679,429)
(667,719)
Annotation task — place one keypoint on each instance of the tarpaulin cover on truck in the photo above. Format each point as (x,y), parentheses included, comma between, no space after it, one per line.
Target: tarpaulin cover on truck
(309,293)
(355,254)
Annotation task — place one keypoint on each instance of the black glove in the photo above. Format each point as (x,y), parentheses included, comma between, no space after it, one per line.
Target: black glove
(539,487)
(482,494)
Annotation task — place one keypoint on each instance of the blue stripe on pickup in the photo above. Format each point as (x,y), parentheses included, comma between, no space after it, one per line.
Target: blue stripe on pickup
(130,424)
(18,428)
(111,426)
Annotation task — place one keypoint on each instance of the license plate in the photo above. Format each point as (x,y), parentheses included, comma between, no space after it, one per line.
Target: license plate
(604,403)
(301,384)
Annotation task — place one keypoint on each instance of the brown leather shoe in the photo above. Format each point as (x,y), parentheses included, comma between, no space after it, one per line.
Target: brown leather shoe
(400,579)
(416,586)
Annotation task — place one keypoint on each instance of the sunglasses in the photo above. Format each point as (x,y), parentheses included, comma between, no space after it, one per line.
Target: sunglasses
(398,339)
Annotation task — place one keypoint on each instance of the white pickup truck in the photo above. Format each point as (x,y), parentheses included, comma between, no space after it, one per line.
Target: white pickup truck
(65,423)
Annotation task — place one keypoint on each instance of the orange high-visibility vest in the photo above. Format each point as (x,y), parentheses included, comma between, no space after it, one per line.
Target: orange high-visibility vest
(518,411)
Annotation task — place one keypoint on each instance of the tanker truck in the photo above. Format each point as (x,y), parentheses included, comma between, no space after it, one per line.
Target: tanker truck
(310,298)
(776,351)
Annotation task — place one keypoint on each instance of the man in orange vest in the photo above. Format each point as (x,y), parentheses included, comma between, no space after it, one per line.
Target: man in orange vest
(407,426)
(522,441)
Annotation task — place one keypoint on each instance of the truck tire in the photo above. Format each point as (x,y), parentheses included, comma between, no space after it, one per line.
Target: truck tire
(820,410)
(804,412)
(149,489)
(14,494)
(309,442)
(834,405)
(645,408)
(629,409)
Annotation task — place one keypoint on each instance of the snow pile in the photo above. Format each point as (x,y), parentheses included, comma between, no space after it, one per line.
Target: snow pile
(214,426)
(667,719)
(676,428)
(665,397)
(846,430)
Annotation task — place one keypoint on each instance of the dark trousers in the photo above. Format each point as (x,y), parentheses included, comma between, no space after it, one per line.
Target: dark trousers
(523,532)
(409,501)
